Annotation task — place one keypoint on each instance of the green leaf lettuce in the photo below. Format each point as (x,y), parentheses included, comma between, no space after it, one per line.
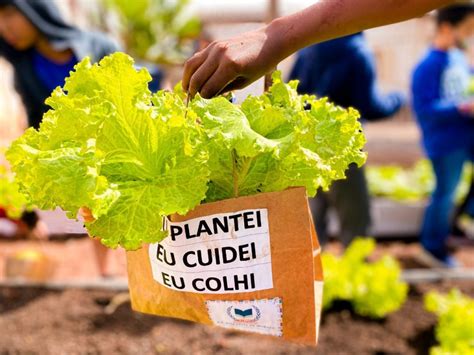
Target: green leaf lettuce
(278,140)
(105,145)
(133,157)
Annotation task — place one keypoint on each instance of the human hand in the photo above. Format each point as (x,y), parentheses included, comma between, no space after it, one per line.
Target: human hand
(232,64)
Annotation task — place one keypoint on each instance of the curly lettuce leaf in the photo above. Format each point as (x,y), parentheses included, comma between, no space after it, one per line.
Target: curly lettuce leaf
(109,145)
(373,288)
(379,291)
(278,140)
(59,175)
(455,330)
(232,143)
(132,157)
(159,168)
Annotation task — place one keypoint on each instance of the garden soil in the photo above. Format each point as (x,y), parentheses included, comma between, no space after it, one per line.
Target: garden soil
(36,321)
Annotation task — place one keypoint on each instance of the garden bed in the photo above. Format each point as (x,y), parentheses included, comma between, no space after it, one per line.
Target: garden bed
(73,321)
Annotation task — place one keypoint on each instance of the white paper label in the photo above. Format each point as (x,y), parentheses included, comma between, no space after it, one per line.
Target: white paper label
(260,316)
(221,253)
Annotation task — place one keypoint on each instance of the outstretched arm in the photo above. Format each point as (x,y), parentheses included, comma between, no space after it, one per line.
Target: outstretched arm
(237,62)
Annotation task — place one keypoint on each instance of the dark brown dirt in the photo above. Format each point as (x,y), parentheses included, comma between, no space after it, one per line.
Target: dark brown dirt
(35,321)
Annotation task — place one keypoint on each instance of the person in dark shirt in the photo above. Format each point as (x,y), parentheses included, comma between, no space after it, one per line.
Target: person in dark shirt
(445,114)
(344,71)
(43,48)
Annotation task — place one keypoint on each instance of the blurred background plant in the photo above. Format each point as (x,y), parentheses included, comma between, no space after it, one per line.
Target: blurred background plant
(159,31)
(374,289)
(410,184)
(455,328)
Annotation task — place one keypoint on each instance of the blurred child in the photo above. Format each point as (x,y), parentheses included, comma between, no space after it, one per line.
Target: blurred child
(43,48)
(439,87)
(344,70)
(27,226)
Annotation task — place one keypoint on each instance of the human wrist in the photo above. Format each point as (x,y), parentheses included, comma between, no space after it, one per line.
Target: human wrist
(294,32)
(278,42)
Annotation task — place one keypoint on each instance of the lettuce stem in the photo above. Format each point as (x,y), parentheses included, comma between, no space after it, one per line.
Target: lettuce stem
(235,174)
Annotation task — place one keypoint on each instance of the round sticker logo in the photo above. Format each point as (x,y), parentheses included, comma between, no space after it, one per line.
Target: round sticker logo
(244,314)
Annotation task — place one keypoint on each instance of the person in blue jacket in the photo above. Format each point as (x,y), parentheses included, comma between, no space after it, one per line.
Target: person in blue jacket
(444,113)
(343,70)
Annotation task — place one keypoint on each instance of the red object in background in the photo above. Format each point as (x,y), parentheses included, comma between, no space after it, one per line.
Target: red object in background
(3,214)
